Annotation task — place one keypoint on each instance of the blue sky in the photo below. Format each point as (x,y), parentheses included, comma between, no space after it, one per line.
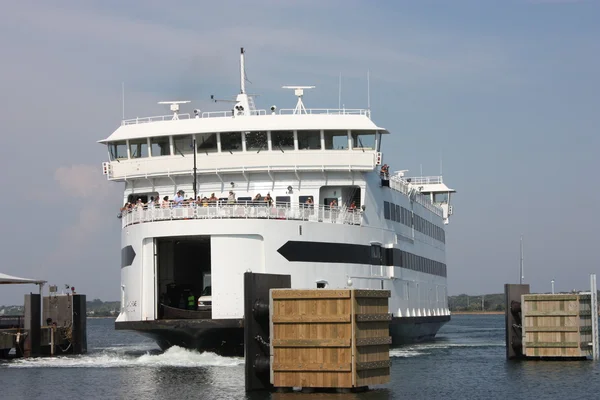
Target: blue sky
(506,92)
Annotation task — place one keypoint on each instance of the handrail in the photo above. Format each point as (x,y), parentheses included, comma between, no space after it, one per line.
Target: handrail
(327,111)
(156,118)
(411,192)
(242,210)
(261,112)
(423,180)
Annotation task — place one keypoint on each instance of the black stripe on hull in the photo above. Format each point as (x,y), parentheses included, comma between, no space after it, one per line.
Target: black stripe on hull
(346,253)
(226,336)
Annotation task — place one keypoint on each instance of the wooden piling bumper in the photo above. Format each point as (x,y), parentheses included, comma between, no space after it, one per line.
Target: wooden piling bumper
(329,338)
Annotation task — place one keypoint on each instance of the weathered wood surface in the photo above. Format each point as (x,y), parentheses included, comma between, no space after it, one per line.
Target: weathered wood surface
(329,338)
(556,325)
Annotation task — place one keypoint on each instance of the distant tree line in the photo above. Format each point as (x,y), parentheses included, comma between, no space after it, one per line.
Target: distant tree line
(485,302)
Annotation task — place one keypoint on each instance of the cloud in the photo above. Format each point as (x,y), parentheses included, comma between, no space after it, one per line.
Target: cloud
(91,199)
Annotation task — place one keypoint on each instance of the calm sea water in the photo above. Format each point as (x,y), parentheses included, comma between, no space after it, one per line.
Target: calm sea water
(466,362)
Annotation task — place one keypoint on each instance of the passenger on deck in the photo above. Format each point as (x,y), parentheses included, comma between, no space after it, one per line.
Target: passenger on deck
(231,197)
(213,198)
(352,206)
(269,199)
(257,198)
(205,202)
(165,202)
(178,200)
(384,172)
(139,206)
(151,203)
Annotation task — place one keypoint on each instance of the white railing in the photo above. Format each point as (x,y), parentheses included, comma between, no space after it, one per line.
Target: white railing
(327,111)
(156,118)
(241,210)
(424,180)
(411,191)
(229,113)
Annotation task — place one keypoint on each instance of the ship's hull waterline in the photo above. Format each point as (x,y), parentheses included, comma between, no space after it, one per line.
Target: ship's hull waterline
(226,336)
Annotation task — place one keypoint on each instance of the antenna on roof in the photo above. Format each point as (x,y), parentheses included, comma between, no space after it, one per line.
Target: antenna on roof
(369,93)
(340,93)
(174,107)
(242,73)
(299,92)
(123,97)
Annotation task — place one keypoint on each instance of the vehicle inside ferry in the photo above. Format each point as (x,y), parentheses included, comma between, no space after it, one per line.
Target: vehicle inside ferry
(184,277)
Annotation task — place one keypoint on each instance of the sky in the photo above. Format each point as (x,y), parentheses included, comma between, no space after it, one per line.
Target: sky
(505,93)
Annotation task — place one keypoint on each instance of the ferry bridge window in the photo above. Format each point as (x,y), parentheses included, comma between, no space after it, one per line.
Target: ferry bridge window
(206,143)
(304,199)
(117,150)
(132,198)
(282,200)
(160,146)
(440,197)
(282,140)
(244,200)
(256,141)
(386,210)
(363,140)
(138,148)
(398,213)
(309,140)
(393,212)
(231,141)
(336,140)
(183,144)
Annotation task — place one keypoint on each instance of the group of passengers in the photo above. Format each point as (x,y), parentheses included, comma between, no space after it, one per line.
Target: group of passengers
(202,201)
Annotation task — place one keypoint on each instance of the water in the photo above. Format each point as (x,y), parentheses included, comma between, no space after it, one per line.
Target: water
(467,361)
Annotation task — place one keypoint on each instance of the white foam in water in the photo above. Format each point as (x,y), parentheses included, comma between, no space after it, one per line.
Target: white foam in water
(405,353)
(173,357)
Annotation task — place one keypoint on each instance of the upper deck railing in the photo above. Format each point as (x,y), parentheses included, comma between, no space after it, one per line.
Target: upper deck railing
(411,192)
(424,180)
(242,210)
(229,113)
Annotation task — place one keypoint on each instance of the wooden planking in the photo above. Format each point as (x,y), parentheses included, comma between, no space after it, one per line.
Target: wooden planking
(318,337)
(310,294)
(295,319)
(553,329)
(373,317)
(343,367)
(363,293)
(374,341)
(555,325)
(373,365)
(312,342)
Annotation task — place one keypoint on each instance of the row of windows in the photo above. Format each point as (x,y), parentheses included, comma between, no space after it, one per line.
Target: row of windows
(230,142)
(400,214)
(421,264)
(404,259)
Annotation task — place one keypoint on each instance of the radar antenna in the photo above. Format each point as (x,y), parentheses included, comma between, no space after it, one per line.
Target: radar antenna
(299,92)
(174,107)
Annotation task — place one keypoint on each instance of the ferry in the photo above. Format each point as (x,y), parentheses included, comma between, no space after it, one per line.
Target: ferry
(210,195)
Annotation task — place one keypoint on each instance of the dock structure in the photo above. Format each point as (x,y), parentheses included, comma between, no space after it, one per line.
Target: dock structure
(59,327)
(314,339)
(329,338)
(551,326)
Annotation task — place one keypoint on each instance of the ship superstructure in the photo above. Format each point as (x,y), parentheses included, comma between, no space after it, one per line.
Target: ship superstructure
(211,195)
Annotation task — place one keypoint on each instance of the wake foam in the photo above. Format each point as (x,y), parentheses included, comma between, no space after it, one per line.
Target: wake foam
(173,357)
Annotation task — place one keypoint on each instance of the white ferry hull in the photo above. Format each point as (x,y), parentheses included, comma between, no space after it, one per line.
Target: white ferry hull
(418,301)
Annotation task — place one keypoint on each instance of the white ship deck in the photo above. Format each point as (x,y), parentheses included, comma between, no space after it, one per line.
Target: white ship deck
(284,212)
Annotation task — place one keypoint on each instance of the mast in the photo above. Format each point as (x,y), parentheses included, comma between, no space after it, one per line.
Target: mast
(521,276)
(242,73)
